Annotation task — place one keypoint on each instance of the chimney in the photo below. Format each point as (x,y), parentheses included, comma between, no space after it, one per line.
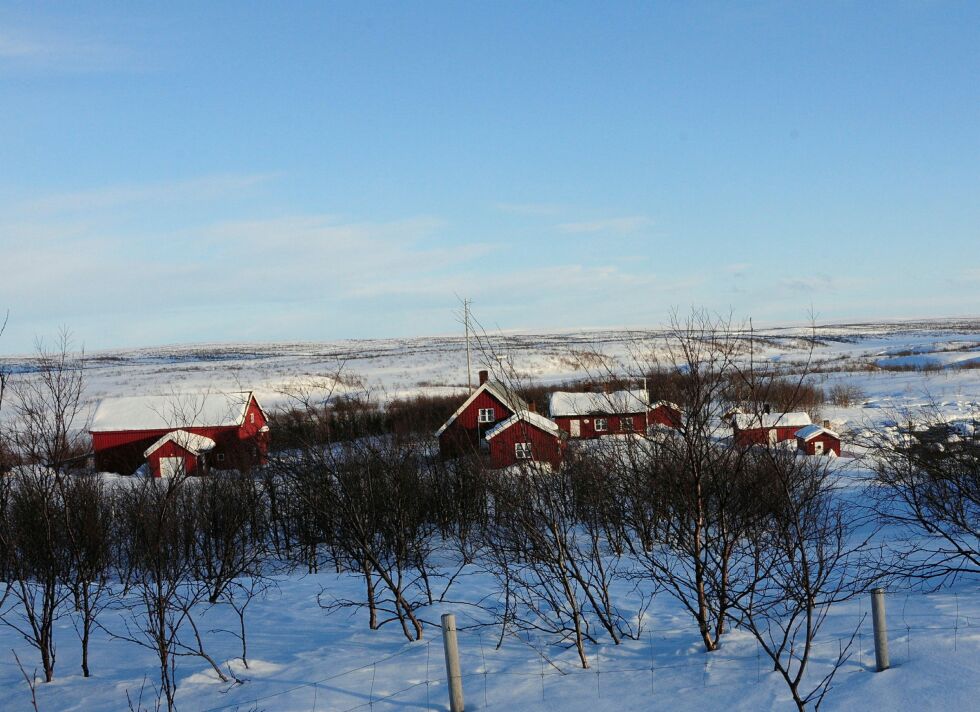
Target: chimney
(484,375)
(826,424)
(532,407)
(766,408)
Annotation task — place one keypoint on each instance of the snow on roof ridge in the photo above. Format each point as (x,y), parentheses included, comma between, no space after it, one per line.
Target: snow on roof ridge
(750,421)
(168,412)
(567,403)
(811,431)
(529,416)
(504,394)
(193,443)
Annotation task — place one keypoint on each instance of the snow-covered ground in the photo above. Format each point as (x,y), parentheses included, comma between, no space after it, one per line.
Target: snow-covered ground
(304,659)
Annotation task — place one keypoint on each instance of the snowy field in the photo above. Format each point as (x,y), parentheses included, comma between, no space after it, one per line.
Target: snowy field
(302,659)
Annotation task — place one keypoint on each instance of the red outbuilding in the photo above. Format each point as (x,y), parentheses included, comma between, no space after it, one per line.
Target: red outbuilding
(771,428)
(593,415)
(491,403)
(221,430)
(525,437)
(665,414)
(817,440)
(178,453)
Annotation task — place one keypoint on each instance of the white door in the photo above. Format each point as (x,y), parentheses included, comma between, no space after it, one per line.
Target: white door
(171,466)
(818,448)
(773,436)
(576,428)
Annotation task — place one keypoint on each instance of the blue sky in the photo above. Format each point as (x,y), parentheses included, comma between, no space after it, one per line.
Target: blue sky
(174,172)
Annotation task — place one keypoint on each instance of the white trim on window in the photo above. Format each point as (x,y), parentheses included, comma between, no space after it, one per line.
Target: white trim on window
(601,425)
(486,415)
(522,451)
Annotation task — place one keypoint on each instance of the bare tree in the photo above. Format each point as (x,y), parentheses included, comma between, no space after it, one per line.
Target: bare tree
(808,550)
(927,488)
(88,527)
(34,543)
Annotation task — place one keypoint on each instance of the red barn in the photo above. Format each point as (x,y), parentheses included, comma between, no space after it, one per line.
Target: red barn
(817,440)
(772,428)
(491,403)
(525,437)
(593,415)
(230,431)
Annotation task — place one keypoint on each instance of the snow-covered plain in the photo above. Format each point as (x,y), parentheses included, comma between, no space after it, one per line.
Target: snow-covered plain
(303,659)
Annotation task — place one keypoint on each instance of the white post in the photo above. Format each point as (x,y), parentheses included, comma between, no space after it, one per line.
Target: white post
(881,629)
(453,673)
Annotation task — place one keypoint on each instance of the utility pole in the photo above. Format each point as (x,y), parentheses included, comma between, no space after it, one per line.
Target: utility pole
(466,326)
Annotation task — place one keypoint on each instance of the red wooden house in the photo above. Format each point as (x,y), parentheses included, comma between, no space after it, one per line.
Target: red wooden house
(180,433)
(593,415)
(491,403)
(525,437)
(762,428)
(818,440)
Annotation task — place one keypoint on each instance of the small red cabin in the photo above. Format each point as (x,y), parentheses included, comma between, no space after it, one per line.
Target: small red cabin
(771,428)
(221,430)
(666,414)
(178,453)
(593,415)
(491,403)
(817,440)
(525,437)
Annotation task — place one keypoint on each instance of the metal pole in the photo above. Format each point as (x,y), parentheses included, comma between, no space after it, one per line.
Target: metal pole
(453,674)
(466,324)
(881,629)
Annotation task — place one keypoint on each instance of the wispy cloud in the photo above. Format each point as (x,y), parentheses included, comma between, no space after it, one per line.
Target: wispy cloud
(192,190)
(529,208)
(46,50)
(618,225)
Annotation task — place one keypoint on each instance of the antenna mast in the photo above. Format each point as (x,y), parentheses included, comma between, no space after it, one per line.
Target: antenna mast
(466,326)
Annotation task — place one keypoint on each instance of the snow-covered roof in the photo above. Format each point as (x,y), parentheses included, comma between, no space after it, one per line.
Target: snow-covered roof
(813,430)
(665,404)
(530,417)
(498,390)
(194,444)
(188,410)
(750,421)
(570,404)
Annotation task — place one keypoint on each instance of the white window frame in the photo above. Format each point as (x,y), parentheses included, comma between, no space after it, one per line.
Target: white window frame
(251,418)
(486,415)
(522,451)
(601,425)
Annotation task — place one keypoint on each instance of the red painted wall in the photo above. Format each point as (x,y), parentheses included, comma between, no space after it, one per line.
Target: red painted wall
(662,415)
(545,447)
(760,436)
(171,449)
(463,436)
(829,443)
(614,425)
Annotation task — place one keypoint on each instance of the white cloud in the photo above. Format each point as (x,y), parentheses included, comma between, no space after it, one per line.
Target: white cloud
(529,208)
(619,225)
(199,189)
(46,50)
